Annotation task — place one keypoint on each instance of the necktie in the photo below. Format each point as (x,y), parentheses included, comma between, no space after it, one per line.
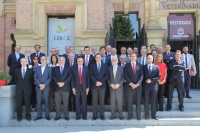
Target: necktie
(29,61)
(86,62)
(133,68)
(80,75)
(99,67)
(176,62)
(37,54)
(17,56)
(149,70)
(114,72)
(71,64)
(143,61)
(104,59)
(186,60)
(61,70)
(168,54)
(23,73)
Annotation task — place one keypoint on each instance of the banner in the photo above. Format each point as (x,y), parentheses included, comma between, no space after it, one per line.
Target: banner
(181,26)
(61,33)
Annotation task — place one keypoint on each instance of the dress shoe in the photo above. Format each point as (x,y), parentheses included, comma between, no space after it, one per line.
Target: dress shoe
(155,118)
(168,109)
(38,118)
(181,109)
(28,119)
(129,118)
(94,118)
(161,110)
(121,118)
(19,119)
(57,118)
(77,118)
(138,119)
(188,96)
(146,117)
(48,118)
(84,118)
(67,118)
(112,117)
(102,118)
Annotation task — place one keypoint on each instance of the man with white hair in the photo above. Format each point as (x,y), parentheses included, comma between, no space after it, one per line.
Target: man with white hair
(160,50)
(27,54)
(108,50)
(94,51)
(143,59)
(129,52)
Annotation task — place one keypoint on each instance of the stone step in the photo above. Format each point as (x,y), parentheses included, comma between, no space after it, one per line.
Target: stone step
(179,121)
(164,114)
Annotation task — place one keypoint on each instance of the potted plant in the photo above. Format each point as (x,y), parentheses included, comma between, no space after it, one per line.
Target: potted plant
(4,78)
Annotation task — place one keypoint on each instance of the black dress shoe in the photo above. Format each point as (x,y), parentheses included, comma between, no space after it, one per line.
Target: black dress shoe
(38,118)
(168,109)
(28,119)
(138,119)
(19,119)
(57,118)
(129,118)
(146,117)
(155,118)
(121,118)
(77,118)
(94,118)
(48,118)
(67,118)
(112,117)
(188,96)
(102,118)
(84,118)
(161,110)
(181,109)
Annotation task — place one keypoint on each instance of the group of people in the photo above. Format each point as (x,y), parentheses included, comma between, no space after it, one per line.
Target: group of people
(91,79)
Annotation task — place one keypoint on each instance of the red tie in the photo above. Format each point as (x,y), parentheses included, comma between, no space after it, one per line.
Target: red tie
(133,68)
(80,75)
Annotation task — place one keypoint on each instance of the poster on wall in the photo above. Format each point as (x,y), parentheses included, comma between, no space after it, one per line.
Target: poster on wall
(61,33)
(181,26)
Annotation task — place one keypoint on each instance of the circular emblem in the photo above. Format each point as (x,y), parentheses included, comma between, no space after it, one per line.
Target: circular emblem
(180,31)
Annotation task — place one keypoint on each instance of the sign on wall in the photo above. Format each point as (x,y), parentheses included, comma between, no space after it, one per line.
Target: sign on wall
(179,4)
(181,26)
(61,33)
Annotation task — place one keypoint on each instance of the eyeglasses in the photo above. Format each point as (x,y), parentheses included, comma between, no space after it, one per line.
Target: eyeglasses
(35,59)
(43,59)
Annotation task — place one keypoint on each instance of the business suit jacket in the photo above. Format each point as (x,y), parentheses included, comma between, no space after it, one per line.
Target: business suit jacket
(175,71)
(190,62)
(107,60)
(65,77)
(44,78)
(24,85)
(40,55)
(13,63)
(67,64)
(139,60)
(85,78)
(67,59)
(167,58)
(90,60)
(119,78)
(110,62)
(154,76)
(136,78)
(101,76)
(128,60)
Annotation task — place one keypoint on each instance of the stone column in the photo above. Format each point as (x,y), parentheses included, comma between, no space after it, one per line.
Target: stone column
(7,104)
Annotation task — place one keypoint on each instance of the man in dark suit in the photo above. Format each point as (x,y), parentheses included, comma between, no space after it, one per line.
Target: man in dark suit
(113,54)
(62,76)
(67,52)
(94,51)
(98,76)
(72,50)
(88,59)
(81,86)
(143,58)
(150,86)
(108,50)
(43,77)
(37,52)
(152,47)
(115,82)
(133,73)
(167,55)
(176,78)
(24,80)
(57,52)
(27,55)
(14,62)
(105,58)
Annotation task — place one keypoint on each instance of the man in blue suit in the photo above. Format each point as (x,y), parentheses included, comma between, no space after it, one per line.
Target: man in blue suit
(37,52)
(105,58)
(43,77)
(81,86)
(62,76)
(14,62)
(98,76)
(150,86)
(133,73)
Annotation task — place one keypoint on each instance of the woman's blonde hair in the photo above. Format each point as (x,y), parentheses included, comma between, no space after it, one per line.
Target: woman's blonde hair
(157,58)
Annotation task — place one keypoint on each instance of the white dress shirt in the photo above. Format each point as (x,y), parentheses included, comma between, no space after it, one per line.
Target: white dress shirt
(42,69)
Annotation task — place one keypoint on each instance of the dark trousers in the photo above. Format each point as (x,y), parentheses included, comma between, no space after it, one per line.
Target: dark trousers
(33,97)
(81,102)
(46,101)
(187,78)
(160,98)
(166,89)
(125,104)
(89,98)
(12,81)
(98,94)
(179,87)
(72,101)
(137,94)
(19,101)
(152,94)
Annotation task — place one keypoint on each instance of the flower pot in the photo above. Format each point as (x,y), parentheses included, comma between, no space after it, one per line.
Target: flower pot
(3,82)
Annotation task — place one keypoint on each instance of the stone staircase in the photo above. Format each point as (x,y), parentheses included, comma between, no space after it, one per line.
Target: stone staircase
(191,116)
